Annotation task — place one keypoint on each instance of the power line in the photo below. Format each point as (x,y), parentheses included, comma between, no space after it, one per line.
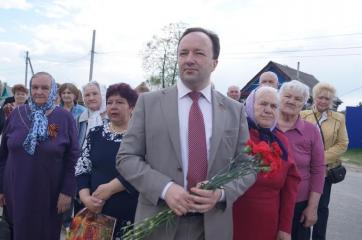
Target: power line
(298,56)
(57,61)
(306,38)
(301,50)
(354,89)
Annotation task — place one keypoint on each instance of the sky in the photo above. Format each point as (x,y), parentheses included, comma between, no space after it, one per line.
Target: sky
(325,36)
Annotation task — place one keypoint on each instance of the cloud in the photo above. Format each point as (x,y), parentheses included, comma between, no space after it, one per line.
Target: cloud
(252,32)
(15,4)
(12,62)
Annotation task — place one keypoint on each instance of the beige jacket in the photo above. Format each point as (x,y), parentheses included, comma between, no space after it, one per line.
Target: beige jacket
(335,135)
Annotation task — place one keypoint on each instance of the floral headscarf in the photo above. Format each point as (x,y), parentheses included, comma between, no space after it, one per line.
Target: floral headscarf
(249,108)
(265,134)
(39,122)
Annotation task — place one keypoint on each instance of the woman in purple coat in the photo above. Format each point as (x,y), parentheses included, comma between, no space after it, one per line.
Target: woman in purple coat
(38,153)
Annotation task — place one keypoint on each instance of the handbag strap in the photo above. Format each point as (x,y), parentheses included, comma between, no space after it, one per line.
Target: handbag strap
(320,129)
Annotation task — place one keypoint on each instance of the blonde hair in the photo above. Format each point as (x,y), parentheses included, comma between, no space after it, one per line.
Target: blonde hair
(322,86)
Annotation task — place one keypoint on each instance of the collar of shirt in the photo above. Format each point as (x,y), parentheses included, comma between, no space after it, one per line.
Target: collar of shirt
(299,125)
(321,116)
(183,91)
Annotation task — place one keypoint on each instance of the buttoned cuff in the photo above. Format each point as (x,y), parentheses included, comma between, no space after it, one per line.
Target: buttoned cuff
(163,194)
(222,197)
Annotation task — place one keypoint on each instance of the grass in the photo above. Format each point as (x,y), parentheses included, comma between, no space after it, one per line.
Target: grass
(353,156)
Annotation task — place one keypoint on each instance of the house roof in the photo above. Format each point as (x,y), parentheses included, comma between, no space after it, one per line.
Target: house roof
(284,71)
(306,78)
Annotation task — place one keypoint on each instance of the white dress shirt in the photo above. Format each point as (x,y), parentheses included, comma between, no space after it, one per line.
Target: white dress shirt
(184,104)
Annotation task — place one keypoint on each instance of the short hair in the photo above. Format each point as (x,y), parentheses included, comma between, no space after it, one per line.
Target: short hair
(319,87)
(72,88)
(142,88)
(297,86)
(233,86)
(19,88)
(269,73)
(213,37)
(123,90)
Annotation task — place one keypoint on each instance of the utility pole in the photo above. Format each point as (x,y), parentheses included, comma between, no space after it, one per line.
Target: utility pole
(31,66)
(26,68)
(298,70)
(92,56)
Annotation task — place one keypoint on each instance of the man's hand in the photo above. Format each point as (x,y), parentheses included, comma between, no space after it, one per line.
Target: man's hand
(64,203)
(309,216)
(2,200)
(177,199)
(283,236)
(103,192)
(204,200)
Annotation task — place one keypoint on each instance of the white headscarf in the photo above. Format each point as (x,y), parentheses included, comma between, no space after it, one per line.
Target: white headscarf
(95,117)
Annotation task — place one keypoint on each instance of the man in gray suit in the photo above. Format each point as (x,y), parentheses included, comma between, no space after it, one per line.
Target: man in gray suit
(181,136)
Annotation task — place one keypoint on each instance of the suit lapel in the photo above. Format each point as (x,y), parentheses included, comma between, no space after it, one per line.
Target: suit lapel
(218,117)
(169,106)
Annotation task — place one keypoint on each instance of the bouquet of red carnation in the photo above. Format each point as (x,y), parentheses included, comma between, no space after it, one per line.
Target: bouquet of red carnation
(256,157)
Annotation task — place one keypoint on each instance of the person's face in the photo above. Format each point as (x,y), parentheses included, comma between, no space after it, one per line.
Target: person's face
(234,93)
(195,60)
(92,97)
(291,102)
(265,109)
(323,100)
(20,97)
(118,109)
(40,89)
(268,80)
(67,96)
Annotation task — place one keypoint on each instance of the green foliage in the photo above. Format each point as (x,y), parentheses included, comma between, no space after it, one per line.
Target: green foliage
(353,156)
(160,56)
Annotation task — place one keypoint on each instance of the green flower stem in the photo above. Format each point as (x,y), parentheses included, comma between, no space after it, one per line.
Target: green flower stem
(238,167)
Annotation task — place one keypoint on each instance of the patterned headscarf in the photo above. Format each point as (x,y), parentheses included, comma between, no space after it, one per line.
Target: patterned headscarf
(265,134)
(39,122)
(249,107)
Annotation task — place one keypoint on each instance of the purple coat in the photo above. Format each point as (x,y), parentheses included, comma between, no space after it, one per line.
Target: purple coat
(32,184)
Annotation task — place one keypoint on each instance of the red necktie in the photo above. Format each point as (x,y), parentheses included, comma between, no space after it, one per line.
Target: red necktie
(197,169)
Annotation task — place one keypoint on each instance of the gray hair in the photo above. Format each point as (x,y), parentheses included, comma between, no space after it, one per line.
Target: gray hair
(297,86)
(270,73)
(263,89)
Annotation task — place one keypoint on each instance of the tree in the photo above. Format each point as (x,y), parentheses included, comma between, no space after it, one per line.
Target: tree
(160,56)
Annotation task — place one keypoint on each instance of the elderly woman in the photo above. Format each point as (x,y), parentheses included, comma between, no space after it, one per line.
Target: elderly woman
(332,128)
(69,95)
(265,211)
(94,100)
(101,187)
(307,146)
(20,93)
(39,150)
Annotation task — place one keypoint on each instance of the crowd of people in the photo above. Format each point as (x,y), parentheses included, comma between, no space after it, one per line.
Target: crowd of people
(127,154)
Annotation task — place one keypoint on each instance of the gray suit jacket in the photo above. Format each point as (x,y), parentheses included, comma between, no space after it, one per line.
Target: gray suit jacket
(150,156)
